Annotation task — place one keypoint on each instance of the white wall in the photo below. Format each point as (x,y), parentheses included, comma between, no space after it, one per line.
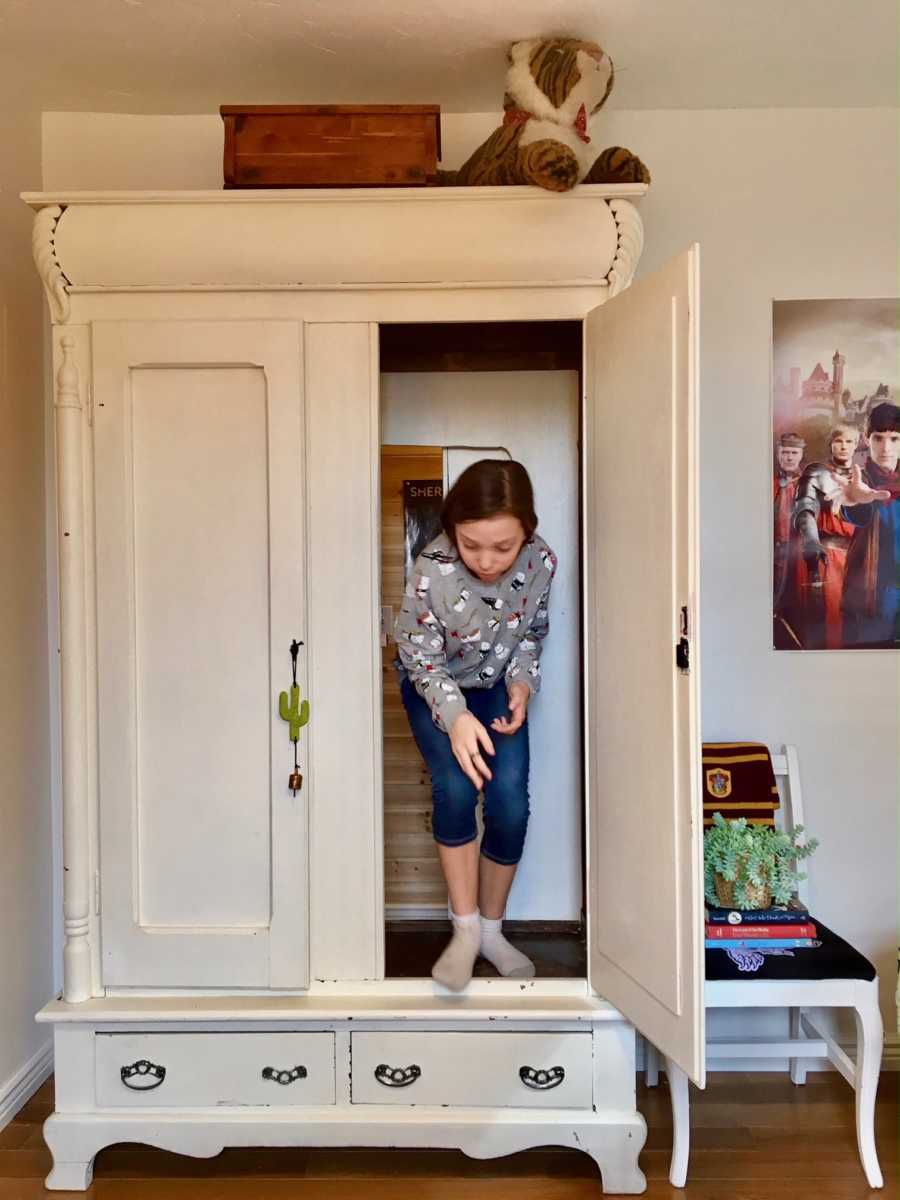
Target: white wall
(26,878)
(785,203)
(789,204)
(99,151)
(534,415)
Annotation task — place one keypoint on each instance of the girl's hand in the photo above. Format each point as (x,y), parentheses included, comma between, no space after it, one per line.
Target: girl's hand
(519,695)
(467,737)
(858,491)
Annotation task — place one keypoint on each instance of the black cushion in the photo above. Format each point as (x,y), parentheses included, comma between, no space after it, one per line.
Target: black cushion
(833,958)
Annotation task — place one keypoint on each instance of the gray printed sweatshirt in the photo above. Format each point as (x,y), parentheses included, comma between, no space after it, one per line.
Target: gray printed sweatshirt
(454,631)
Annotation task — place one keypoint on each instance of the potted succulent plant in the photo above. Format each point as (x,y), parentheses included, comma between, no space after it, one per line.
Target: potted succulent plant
(751,866)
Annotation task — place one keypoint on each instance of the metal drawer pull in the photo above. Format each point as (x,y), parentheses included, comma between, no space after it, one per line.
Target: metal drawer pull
(143,1075)
(542,1081)
(290,1076)
(397,1076)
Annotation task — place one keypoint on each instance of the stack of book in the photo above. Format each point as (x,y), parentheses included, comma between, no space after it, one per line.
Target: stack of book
(776,928)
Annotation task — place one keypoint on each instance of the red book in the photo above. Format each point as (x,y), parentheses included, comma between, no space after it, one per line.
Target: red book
(733,932)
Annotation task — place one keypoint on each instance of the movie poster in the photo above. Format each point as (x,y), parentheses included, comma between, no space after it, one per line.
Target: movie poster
(422,503)
(836,494)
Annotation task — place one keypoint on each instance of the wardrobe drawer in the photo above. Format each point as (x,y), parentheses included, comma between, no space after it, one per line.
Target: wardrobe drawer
(517,1070)
(155,1070)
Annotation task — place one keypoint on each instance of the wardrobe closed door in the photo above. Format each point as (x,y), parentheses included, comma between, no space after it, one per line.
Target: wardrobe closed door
(641,544)
(200,541)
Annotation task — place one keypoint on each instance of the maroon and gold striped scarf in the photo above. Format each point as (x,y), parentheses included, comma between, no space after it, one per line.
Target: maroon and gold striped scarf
(739,781)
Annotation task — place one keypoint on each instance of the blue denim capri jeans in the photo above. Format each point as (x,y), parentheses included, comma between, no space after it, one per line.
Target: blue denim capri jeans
(453,794)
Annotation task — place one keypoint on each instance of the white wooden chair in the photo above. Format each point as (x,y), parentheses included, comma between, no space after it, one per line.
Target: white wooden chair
(852,989)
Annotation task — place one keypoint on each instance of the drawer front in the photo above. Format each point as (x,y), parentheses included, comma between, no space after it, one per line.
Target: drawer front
(155,1070)
(508,1070)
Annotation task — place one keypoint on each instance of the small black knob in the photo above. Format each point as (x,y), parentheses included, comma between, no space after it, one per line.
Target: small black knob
(683,655)
(284,1076)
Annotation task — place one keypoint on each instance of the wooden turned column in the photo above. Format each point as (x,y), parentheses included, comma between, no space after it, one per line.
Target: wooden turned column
(70,531)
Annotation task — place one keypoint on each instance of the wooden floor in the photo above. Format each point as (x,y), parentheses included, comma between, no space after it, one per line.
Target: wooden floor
(755,1137)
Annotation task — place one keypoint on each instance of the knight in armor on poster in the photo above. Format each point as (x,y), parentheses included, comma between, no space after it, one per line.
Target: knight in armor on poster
(787,477)
(825,539)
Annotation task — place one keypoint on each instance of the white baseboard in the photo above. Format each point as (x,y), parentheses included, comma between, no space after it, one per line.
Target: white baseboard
(890,1060)
(15,1091)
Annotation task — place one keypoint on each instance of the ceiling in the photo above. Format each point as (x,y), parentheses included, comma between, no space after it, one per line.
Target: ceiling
(189,56)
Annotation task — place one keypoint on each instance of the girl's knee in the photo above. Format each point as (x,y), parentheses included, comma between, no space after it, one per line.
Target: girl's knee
(504,834)
(506,799)
(455,793)
(506,815)
(510,821)
(453,818)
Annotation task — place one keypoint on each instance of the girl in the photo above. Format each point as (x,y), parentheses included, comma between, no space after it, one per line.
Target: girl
(469,640)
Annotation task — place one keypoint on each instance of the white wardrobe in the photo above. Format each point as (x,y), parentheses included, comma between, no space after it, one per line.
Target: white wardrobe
(217,427)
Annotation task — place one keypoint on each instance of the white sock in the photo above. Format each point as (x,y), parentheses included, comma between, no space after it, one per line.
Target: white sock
(506,958)
(454,968)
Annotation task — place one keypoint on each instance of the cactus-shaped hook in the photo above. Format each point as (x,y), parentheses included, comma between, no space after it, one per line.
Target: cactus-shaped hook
(296,715)
(292,711)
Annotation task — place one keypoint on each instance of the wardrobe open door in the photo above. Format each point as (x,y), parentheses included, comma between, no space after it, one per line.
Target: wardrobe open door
(642,735)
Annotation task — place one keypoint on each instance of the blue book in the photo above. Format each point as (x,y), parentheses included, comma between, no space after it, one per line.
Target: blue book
(752,943)
(758,916)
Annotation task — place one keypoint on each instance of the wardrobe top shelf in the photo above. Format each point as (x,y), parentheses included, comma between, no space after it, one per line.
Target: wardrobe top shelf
(399,196)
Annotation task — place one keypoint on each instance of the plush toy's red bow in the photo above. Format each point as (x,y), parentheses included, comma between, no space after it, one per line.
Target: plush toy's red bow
(518,116)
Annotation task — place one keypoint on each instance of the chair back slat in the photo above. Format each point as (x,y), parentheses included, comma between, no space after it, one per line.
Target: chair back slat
(787,776)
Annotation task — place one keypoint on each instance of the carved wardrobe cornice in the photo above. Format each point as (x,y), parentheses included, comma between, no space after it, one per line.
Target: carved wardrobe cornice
(335,240)
(43,245)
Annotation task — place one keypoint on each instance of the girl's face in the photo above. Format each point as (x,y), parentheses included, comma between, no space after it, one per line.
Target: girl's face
(489,547)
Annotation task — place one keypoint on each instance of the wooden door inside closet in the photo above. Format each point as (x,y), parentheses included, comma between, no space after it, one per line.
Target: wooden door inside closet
(414,884)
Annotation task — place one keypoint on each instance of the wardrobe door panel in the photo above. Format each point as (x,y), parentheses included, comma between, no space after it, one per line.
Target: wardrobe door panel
(201,569)
(199,501)
(642,659)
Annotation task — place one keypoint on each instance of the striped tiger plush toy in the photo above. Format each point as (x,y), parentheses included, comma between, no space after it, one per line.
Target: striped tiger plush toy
(553,88)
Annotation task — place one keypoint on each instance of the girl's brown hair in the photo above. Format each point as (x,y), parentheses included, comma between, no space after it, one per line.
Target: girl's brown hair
(487,489)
